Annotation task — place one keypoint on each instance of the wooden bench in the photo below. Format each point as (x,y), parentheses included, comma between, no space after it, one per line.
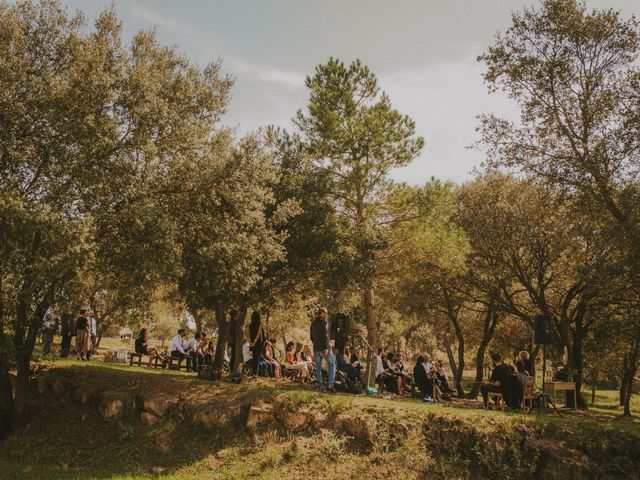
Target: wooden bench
(176,363)
(137,358)
(497,399)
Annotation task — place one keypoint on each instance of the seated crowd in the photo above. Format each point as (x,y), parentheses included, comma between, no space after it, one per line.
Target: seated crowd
(260,357)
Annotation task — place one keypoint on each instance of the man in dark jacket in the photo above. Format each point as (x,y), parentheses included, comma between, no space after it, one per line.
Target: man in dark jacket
(501,381)
(67,331)
(322,349)
(424,383)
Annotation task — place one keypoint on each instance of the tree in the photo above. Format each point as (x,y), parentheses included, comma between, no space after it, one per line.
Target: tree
(226,240)
(86,121)
(575,78)
(353,134)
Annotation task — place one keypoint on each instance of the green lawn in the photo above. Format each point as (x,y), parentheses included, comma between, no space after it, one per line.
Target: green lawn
(67,440)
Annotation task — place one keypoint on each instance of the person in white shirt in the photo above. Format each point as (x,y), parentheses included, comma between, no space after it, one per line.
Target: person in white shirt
(93,331)
(177,348)
(247,355)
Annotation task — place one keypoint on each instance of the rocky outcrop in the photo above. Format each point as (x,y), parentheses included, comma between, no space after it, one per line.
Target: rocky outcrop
(260,415)
(159,405)
(113,403)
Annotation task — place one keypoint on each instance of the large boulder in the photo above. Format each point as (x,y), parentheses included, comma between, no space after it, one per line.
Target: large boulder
(296,420)
(355,425)
(158,405)
(261,414)
(113,404)
(85,394)
(212,415)
(148,418)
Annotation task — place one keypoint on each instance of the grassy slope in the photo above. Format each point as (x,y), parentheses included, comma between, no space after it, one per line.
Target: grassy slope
(68,441)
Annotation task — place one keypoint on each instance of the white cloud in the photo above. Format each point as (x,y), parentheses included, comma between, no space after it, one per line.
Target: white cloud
(268,74)
(156,18)
(289,79)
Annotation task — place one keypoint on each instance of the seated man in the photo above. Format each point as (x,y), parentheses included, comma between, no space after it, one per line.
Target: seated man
(177,348)
(498,381)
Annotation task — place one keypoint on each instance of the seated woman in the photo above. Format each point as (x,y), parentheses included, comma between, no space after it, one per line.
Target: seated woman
(442,380)
(390,376)
(344,364)
(524,364)
(143,348)
(404,379)
(290,363)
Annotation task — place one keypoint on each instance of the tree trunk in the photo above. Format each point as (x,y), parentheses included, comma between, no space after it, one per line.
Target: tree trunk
(623,383)
(221,345)
(577,363)
(457,368)
(6,404)
(103,326)
(6,392)
(21,405)
(533,355)
(372,330)
(631,361)
(242,318)
(594,380)
(489,328)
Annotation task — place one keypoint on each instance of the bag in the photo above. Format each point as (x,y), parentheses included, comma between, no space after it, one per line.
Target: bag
(208,373)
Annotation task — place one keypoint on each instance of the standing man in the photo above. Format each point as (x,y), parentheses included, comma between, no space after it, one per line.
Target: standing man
(322,350)
(92,332)
(49,328)
(66,332)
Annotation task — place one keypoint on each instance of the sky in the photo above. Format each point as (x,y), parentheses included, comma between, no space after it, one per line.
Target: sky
(422,51)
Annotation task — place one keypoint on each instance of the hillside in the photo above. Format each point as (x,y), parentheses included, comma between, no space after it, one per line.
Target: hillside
(93,422)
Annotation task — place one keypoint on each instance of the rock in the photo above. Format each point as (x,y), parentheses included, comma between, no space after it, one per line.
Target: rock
(296,420)
(210,416)
(260,414)
(85,417)
(158,405)
(86,394)
(354,425)
(112,404)
(148,418)
(163,442)
(58,386)
(319,420)
(42,385)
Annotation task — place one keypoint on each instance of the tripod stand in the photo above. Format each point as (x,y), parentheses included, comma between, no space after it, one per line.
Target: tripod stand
(544,399)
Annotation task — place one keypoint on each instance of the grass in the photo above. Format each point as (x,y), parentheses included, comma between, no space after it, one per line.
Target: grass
(66,440)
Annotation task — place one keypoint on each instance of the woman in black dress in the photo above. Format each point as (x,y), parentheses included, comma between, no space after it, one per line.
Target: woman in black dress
(143,348)
(258,339)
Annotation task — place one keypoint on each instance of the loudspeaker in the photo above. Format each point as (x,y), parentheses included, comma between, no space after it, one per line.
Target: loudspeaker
(340,331)
(542,330)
